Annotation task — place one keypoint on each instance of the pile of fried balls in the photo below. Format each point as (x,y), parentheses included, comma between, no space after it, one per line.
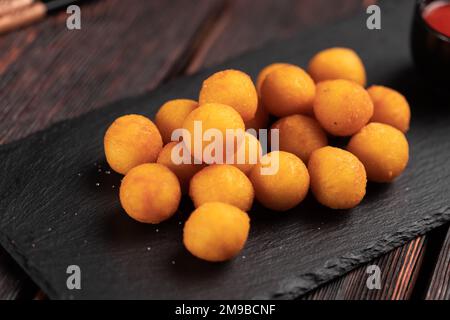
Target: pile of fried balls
(307,107)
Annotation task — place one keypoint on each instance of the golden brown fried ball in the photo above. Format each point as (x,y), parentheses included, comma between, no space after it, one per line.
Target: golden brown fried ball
(183,171)
(216,231)
(284,187)
(233,88)
(337,63)
(247,154)
(382,149)
(150,193)
(223,183)
(265,71)
(212,116)
(342,107)
(338,178)
(288,90)
(390,107)
(300,135)
(131,140)
(171,116)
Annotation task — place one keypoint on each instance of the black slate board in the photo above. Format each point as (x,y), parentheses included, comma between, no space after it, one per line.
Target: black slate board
(53,213)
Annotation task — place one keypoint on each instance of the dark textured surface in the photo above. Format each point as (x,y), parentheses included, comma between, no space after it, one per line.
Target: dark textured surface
(53,217)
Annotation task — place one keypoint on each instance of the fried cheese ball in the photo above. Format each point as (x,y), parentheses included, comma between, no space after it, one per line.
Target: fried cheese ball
(265,71)
(183,171)
(171,116)
(223,183)
(288,90)
(390,107)
(216,231)
(150,193)
(300,135)
(131,140)
(338,178)
(283,186)
(337,63)
(233,88)
(247,154)
(211,116)
(382,149)
(342,107)
(260,120)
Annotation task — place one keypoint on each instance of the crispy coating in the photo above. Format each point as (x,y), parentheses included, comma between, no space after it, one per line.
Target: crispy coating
(233,88)
(390,107)
(300,135)
(337,63)
(342,107)
(382,149)
(131,140)
(216,231)
(288,90)
(247,154)
(150,193)
(171,116)
(265,71)
(338,178)
(284,188)
(183,171)
(212,116)
(223,183)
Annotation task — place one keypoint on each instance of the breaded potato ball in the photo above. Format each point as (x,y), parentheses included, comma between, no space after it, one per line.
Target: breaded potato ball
(342,107)
(285,183)
(390,107)
(233,88)
(265,71)
(288,90)
(183,171)
(382,149)
(216,231)
(337,63)
(171,116)
(150,193)
(247,154)
(260,120)
(300,135)
(223,183)
(338,178)
(211,116)
(131,140)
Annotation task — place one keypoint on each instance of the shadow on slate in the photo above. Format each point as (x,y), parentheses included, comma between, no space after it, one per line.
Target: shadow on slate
(59,203)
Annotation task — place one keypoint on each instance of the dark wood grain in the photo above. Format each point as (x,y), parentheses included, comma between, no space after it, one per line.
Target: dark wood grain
(240,27)
(234,33)
(399,270)
(48,73)
(306,233)
(439,287)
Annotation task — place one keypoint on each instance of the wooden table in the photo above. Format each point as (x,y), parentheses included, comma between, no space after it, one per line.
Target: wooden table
(49,73)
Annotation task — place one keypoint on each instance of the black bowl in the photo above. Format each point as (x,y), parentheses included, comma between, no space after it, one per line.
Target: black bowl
(430,49)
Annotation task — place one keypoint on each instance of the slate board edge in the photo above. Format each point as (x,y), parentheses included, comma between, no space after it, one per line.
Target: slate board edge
(294,287)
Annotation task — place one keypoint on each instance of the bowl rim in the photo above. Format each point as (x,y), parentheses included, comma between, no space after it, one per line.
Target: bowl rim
(420,6)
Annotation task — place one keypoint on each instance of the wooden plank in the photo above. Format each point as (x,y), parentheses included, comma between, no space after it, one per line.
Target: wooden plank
(399,270)
(439,287)
(48,73)
(234,33)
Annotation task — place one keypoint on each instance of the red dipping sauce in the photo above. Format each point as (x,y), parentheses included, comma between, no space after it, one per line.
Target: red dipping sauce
(437,16)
